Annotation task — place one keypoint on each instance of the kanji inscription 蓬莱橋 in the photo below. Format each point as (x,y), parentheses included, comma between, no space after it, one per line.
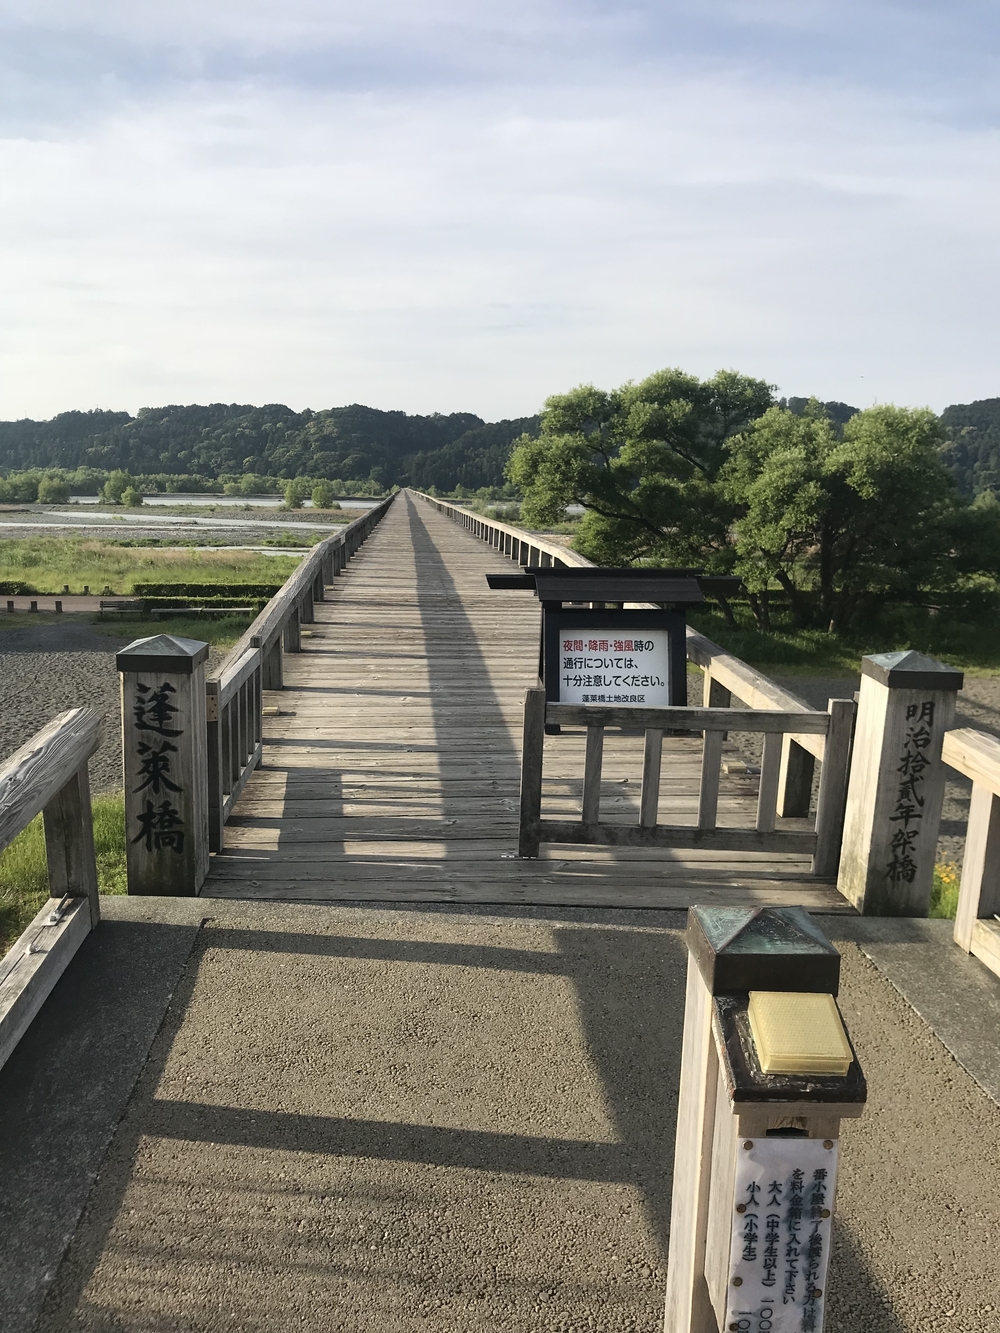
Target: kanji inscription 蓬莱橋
(780,1248)
(163,746)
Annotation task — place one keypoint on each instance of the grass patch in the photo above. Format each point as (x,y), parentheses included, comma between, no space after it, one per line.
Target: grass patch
(944,892)
(220,632)
(47,563)
(971,644)
(24,881)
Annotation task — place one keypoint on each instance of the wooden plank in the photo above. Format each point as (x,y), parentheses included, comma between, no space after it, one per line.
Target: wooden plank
(832,803)
(688,1308)
(979,890)
(33,775)
(985,944)
(69,843)
(750,685)
(770,771)
(35,963)
(544,893)
(649,799)
(711,774)
(680,836)
(691,719)
(591,809)
(974,754)
(531,771)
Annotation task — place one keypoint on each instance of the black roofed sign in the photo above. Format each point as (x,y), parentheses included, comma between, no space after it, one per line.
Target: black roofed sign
(598,651)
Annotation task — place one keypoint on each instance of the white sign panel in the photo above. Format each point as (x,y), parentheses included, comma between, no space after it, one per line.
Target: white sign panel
(619,667)
(781,1235)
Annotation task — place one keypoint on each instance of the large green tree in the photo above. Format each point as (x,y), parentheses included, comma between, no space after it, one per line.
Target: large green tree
(644,462)
(869,513)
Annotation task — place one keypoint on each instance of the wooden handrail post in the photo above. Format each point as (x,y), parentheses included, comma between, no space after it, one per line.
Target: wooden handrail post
(307,615)
(795,781)
(69,843)
(755,1161)
(531,772)
(291,635)
(164,738)
(894,798)
(832,800)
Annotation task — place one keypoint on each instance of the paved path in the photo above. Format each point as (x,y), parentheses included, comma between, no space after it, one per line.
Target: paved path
(392,771)
(441,1119)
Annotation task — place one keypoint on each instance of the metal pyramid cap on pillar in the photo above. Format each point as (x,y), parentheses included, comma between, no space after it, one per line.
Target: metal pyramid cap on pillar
(910,670)
(739,949)
(163,652)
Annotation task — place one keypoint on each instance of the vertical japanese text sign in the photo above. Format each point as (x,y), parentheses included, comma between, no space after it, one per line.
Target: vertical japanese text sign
(896,788)
(165,761)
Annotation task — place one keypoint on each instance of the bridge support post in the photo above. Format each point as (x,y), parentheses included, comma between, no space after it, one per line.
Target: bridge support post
(164,746)
(894,798)
(291,635)
(306,614)
(756,1152)
(271,678)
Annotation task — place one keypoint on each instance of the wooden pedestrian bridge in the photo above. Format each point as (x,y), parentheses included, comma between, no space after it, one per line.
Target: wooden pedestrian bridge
(289,1107)
(379,735)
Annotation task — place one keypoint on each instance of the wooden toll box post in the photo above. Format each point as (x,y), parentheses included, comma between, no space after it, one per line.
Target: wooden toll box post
(166,764)
(896,789)
(755,1165)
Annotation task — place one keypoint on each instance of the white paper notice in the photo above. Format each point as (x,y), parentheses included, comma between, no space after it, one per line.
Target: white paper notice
(620,667)
(781,1235)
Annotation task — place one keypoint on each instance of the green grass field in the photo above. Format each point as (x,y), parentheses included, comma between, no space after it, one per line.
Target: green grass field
(48,563)
(969,644)
(24,877)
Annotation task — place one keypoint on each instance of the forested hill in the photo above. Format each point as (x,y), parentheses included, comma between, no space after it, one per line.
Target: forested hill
(358,443)
(973,449)
(353,443)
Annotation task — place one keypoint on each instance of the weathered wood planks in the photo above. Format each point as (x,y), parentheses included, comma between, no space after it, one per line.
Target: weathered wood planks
(392,769)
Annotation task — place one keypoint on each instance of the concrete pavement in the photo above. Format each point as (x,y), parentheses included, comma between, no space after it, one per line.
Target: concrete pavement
(436,1119)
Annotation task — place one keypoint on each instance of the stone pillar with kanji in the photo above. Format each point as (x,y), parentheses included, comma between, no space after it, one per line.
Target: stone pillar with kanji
(165,763)
(896,788)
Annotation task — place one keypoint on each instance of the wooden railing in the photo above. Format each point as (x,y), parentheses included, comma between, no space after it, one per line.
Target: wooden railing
(822,842)
(725,677)
(234,696)
(976,755)
(50,774)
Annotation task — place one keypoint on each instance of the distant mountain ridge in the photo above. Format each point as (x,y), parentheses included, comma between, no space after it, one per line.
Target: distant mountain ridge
(358,443)
(353,443)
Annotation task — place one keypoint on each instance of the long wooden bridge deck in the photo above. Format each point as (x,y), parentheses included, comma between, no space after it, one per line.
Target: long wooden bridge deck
(391,771)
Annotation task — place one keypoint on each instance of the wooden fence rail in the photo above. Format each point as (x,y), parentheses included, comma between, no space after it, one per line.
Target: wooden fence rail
(977,756)
(823,841)
(50,774)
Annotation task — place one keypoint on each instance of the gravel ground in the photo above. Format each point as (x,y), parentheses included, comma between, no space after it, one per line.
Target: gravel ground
(45,669)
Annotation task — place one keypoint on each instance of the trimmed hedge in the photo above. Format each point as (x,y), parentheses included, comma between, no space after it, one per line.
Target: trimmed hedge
(230,590)
(16,589)
(235,598)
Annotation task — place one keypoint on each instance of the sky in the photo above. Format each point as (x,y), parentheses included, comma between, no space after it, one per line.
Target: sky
(444,206)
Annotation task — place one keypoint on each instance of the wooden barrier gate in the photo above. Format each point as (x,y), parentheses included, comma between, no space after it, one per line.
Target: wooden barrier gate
(823,842)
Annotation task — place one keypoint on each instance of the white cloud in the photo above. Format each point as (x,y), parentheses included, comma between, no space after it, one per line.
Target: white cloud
(454,243)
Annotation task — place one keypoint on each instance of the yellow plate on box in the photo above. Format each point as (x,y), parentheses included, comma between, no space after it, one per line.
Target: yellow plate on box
(796,1032)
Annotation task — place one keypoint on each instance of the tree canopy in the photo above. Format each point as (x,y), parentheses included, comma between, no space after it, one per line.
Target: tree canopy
(644,462)
(834,505)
